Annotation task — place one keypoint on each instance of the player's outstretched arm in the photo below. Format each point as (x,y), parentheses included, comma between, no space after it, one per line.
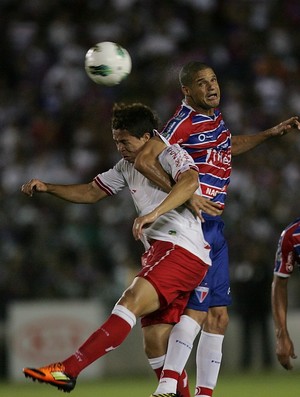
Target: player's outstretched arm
(242,143)
(284,344)
(187,184)
(78,193)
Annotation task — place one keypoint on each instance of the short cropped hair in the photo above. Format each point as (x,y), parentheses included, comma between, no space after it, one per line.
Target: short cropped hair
(188,71)
(136,118)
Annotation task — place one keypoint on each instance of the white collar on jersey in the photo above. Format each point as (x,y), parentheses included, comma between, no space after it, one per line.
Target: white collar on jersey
(156,133)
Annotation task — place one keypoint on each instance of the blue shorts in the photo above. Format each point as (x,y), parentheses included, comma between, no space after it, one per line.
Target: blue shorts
(215,287)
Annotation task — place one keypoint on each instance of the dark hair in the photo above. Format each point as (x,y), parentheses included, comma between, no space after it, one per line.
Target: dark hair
(188,71)
(136,118)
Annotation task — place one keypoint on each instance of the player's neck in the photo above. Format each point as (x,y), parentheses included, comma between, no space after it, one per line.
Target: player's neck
(206,112)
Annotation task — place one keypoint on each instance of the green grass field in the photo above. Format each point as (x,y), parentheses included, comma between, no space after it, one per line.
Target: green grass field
(270,384)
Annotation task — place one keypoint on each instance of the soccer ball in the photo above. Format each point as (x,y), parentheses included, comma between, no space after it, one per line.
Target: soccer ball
(107,63)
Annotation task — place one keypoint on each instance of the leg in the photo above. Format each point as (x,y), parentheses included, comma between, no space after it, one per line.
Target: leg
(156,339)
(216,285)
(217,320)
(156,330)
(140,298)
(209,351)
(155,344)
(179,348)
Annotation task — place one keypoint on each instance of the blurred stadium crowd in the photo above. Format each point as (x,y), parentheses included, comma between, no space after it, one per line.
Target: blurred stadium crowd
(55,125)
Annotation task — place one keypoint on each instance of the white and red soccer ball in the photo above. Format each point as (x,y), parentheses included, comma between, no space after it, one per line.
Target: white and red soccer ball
(107,63)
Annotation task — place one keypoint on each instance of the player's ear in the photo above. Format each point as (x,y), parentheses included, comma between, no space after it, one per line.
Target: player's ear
(185,90)
(147,136)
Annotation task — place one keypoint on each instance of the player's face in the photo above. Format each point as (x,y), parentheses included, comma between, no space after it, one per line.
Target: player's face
(204,93)
(128,145)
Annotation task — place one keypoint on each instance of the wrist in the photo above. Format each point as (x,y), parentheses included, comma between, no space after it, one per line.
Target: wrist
(267,133)
(49,188)
(281,333)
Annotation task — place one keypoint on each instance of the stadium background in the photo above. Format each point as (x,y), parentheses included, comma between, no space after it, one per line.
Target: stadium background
(55,125)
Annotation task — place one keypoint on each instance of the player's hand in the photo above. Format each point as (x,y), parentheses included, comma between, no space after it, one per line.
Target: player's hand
(34,185)
(198,204)
(285,127)
(140,222)
(285,351)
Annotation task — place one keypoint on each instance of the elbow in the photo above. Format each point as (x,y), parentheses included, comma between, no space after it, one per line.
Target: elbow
(193,182)
(195,185)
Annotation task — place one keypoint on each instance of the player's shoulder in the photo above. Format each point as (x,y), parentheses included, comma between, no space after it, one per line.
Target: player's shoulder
(291,227)
(182,113)
(178,124)
(124,166)
(291,232)
(296,229)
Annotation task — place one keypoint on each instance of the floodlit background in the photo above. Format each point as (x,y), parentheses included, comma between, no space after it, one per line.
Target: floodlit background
(61,260)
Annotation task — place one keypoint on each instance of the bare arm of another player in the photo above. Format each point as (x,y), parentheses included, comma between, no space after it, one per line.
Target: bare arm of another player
(284,344)
(82,193)
(242,143)
(186,185)
(147,164)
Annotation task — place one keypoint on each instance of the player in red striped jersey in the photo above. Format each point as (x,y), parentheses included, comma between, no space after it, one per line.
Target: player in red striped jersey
(198,127)
(286,259)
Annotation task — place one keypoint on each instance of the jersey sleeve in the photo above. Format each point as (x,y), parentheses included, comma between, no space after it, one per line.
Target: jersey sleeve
(176,160)
(111,181)
(287,254)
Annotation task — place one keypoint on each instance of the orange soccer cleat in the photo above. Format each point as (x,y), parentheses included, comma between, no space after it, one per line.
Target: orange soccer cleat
(53,374)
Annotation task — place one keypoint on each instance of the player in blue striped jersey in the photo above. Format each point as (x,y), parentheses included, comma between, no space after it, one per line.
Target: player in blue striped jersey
(286,259)
(198,127)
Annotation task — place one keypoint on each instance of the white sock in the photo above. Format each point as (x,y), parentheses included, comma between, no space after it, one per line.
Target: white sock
(208,360)
(180,346)
(157,362)
(125,314)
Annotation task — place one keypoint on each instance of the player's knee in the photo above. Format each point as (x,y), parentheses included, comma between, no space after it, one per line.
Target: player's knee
(140,298)
(197,315)
(217,321)
(129,299)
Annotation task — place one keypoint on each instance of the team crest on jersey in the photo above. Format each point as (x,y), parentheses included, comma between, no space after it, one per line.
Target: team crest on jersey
(201,293)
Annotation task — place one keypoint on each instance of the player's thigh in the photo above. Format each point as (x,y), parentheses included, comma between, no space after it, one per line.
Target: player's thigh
(140,297)
(156,339)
